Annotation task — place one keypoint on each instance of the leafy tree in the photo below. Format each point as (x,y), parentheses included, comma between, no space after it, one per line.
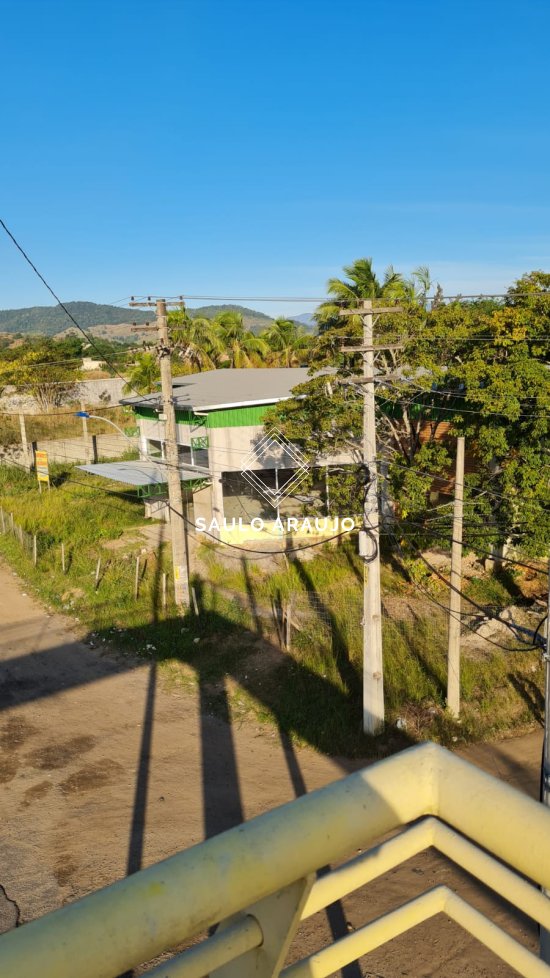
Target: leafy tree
(36,369)
(464,368)
(70,347)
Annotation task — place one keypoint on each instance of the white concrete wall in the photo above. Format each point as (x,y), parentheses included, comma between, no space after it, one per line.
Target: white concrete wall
(94,392)
(231,448)
(154,430)
(73,449)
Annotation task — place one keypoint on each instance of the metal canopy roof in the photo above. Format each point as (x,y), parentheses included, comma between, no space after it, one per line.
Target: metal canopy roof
(142,473)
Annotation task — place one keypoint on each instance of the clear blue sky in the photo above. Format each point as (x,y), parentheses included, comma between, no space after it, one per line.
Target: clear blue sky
(253,147)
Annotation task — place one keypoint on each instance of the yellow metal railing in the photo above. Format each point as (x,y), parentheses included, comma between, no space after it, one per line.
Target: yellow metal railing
(257,881)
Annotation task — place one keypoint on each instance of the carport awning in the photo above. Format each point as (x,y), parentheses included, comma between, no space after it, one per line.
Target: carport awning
(143,473)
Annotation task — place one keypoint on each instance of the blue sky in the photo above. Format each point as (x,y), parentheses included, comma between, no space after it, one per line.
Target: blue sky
(254,147)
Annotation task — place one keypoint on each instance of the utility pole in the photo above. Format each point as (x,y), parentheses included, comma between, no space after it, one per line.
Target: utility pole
(369,536)
(175,496)
(544,940)
(24,442)
(85,435)
(453,653)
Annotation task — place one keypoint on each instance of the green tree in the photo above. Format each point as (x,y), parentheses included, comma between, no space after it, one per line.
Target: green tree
(362,282)
(287,341)
(144,375)
(198,342)
(37,369)
(463,368)
(241,347)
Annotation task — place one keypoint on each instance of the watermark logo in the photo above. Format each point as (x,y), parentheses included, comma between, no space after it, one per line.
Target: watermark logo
(271,453)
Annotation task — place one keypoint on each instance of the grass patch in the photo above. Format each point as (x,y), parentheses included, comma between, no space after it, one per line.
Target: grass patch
(231,653)
(60,424)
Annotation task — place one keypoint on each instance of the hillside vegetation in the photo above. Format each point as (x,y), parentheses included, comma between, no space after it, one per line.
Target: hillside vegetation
(50,320)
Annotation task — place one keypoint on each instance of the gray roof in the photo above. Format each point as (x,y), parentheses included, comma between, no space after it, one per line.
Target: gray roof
(141,473)
(232,387)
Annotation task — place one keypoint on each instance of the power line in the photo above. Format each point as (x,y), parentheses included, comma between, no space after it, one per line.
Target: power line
(89,338)
(334,333)
(445,479)
(57,414)
(334,301)
(133,497)
(460,617)
(480,412)
(60,363)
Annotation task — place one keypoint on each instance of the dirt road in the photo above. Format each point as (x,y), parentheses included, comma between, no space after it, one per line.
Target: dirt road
(104,770)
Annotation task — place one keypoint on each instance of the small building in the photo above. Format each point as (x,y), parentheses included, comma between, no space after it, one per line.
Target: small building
(241,482)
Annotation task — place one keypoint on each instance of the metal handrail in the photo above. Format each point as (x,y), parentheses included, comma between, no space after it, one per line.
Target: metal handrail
(262,873)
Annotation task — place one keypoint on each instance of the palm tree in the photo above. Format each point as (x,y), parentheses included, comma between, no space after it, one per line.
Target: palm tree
(363,283)
(144,375)
(198,342)
(418,285)
(242,348)
(287,341)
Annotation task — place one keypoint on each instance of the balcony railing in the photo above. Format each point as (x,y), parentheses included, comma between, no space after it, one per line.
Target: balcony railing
(257,881)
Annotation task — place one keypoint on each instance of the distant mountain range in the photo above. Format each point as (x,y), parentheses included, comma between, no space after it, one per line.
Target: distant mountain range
(50,320)
(254,320)
(115,322)
(306,319)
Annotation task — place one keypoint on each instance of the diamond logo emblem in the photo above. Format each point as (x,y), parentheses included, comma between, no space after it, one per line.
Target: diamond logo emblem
(274,452)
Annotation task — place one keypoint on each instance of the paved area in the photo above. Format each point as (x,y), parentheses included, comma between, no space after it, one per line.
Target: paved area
(103,770)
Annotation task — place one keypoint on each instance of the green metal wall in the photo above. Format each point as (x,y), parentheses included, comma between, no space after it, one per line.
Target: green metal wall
(228,418)
(237,417)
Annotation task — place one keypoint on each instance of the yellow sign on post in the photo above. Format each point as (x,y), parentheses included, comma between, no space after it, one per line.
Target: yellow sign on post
(42,469)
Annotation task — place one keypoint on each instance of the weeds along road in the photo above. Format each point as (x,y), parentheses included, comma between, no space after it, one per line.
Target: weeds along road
(104,770)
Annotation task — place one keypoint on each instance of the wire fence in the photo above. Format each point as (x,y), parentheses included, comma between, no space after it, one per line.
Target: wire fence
(330,617)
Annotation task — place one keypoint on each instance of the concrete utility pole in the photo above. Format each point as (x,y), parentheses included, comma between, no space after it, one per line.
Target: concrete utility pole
(544,939)
(369,536)
(24,443)
(453,654)
(175,496)
(85,434)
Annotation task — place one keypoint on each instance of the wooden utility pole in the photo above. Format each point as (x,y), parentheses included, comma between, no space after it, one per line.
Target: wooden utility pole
(453,654)
(173,477)
(369,536)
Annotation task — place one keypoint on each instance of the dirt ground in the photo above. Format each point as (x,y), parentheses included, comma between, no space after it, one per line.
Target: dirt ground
(103,770)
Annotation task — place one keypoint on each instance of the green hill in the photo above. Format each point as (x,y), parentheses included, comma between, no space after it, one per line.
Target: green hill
(254,320)
(50,320)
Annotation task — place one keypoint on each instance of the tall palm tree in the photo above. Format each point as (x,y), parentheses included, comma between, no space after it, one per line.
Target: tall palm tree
(418,285)
(144,375)
(363,283)
(198,342)
(241,347)
(287,341)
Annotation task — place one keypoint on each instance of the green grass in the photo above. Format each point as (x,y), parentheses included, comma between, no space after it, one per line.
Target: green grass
(60,423)
(313,692)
